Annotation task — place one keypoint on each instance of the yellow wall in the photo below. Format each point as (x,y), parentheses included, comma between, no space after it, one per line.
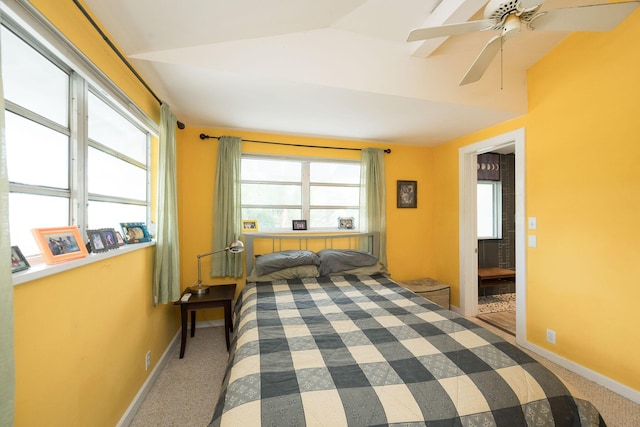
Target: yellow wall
(81,336)
(582,184)
(410,255)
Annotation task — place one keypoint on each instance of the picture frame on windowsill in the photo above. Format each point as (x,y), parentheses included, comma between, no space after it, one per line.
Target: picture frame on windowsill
(59,244)
(96,242)
(110,238)
(135,232)
(299,224)
(18,261)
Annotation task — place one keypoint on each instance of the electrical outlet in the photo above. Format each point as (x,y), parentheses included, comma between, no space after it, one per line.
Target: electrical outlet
(551,336)
(147,360)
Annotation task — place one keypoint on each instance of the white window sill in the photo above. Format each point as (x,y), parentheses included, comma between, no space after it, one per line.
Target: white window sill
(309,231)
(41,270)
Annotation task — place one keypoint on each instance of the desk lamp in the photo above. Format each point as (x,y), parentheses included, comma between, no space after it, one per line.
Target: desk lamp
(198,289)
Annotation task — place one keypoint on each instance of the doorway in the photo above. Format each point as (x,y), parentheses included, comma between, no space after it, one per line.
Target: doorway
(514,140)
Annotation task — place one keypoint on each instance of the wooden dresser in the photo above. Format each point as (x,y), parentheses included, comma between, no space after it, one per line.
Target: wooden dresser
(430,289)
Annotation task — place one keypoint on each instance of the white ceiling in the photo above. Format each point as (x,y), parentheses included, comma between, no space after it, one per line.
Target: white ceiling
(332,68)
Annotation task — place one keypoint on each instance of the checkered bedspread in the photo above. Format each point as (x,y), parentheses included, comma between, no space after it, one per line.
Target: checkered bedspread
(363,351)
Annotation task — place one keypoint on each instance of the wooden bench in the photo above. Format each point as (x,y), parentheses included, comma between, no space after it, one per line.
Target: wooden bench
(495,276)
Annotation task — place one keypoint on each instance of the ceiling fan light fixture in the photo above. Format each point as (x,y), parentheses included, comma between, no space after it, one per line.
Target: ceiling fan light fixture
(507,17)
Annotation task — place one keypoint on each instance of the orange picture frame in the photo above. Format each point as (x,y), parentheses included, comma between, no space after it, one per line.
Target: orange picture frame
(59,244)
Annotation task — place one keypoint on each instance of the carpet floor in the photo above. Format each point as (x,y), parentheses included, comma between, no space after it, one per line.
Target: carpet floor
(186,390)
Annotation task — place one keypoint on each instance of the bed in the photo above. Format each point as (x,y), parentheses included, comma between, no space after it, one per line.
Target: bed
(341,348)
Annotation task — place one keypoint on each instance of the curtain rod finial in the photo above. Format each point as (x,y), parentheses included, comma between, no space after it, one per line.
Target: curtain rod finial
(180,125)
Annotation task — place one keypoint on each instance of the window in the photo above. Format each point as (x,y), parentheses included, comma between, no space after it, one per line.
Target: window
(276,191)
(74,156)
(489,202)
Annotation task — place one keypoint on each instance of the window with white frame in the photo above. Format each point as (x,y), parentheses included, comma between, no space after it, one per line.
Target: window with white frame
(489,203)
(276,191)
(74,156)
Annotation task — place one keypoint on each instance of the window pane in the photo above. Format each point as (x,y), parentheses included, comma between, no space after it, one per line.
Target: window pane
(110,215)
(271,194)
(271,170)
(32,81)
(37,155)
(486,211)
(111,129)
(269,218)
(328,218)
(335,173)
(334,196)
(110,176)
(29,211)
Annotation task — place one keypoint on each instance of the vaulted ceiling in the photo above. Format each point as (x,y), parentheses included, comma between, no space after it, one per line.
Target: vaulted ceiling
(331,68)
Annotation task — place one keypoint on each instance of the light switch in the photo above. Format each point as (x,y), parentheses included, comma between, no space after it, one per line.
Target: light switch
(533,242)
(533,223)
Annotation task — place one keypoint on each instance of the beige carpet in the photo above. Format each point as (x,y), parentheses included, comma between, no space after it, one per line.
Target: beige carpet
(187,389)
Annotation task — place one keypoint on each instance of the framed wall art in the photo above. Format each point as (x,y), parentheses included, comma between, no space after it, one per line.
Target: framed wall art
(407,194)
(135,232)
(18,261)
(249,225)
(60,244)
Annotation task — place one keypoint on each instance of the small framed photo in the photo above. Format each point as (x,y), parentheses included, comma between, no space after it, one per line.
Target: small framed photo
(135,232)
(96,241)
(345,223)
(110,238)
(18,261)
(249,225)
(119,238)
(60,244)
(407,194)
(299,224)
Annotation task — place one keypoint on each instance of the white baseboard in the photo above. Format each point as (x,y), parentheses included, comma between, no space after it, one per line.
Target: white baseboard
(606,382)
(133,408)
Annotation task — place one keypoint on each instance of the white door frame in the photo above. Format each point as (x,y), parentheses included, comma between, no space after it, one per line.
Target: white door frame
(468,179)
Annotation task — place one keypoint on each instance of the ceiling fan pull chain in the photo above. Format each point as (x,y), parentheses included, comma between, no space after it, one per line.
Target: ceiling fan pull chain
(501,66)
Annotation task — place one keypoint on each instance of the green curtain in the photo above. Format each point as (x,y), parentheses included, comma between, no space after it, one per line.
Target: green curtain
(7,362)
(226,208)
(373,197)
(166,278)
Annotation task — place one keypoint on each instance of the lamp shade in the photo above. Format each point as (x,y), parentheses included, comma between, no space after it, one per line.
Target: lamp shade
(235,247)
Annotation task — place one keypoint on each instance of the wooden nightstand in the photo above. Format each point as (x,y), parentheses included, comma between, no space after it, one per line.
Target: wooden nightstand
(217,296)
(430,289)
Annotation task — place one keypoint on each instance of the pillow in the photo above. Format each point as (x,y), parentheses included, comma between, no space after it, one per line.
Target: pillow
(368,270)
(285,259)
(299,272)
(338,260)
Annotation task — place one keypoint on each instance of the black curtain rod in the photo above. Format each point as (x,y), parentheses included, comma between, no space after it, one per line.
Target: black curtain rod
(203,136)
(120,55)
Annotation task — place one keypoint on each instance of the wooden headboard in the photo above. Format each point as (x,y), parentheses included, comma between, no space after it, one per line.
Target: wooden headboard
(264,243)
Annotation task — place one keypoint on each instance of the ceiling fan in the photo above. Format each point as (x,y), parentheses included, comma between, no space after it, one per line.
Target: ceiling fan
(508,16)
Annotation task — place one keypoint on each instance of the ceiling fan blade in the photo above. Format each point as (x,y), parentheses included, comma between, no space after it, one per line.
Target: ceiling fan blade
(599,17)
(482,62)
(528,4)
(449,30)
